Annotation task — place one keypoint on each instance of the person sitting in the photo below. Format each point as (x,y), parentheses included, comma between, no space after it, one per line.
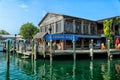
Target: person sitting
(118,46)
(103,46)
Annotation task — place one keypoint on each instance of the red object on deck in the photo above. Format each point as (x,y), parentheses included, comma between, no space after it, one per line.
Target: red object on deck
(117,41)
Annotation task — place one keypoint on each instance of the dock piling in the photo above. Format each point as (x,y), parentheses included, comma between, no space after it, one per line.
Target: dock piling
(50,50)
(74,50)
(32,50)
(8,51)
(50,47)
(91,49)
(108,49)
(8,59)
(35,52)
(44,44)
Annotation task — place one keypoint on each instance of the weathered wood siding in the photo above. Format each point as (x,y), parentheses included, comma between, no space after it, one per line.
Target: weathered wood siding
(53,21)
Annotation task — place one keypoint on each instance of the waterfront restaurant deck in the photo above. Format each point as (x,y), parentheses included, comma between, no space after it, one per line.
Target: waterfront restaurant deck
(82,52)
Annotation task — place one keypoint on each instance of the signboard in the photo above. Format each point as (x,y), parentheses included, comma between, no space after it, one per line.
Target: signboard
(61,37)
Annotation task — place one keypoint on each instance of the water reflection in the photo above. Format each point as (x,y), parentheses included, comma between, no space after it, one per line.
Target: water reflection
(7,65)
(74,69)
(117,69)
(7,71)
(105,69)
(51,70)
(91,70)
(25,69)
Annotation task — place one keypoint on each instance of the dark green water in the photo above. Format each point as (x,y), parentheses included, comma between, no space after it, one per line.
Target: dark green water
(25,69)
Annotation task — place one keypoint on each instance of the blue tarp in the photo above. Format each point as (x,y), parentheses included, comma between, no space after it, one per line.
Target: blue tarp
(61,37)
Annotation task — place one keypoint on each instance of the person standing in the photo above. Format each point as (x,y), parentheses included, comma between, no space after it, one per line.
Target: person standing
(116,42)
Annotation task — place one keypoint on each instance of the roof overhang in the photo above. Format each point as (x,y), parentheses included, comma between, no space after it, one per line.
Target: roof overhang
(40,35)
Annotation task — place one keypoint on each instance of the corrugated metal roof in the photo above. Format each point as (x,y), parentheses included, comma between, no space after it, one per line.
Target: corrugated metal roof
(40,35)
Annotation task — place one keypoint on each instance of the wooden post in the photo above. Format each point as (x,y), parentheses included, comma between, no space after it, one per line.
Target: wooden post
(44,48)
(51,50)
(91,49)
(32,56)
(74,52)
(108,49)
(8,51)
(8,59)
(8,67)
(35,52)
(13,49)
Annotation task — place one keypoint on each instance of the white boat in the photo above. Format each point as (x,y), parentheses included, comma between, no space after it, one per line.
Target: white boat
(1,48)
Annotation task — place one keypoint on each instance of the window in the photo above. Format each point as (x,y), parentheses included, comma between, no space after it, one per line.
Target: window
(43,29)
(68,27)
(52,27)
(47,27)
(93,29)
(85,28)
(40,29)
(78,28)
(58,26)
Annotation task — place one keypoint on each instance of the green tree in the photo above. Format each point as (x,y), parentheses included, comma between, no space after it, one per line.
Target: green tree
(28,30)
(108,32)
(3,32)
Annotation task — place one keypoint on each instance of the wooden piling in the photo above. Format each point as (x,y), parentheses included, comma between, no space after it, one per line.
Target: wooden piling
(91,49)
(8,71)
(74,50)
(35,52)
(8,51)
(108,49)
(32,56)
(44,48)
(14,48)
(51,50)
(8,59)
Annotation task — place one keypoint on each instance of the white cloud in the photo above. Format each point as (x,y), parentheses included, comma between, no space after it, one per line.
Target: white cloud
(24,6)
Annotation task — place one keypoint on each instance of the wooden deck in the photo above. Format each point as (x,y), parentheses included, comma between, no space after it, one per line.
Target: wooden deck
(96,51)
(70,52)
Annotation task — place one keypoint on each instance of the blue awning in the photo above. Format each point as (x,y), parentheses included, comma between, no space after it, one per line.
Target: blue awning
(61,37)
(89,36)
(116,36)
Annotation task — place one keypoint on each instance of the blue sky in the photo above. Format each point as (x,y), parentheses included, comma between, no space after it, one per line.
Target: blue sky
(14,13)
